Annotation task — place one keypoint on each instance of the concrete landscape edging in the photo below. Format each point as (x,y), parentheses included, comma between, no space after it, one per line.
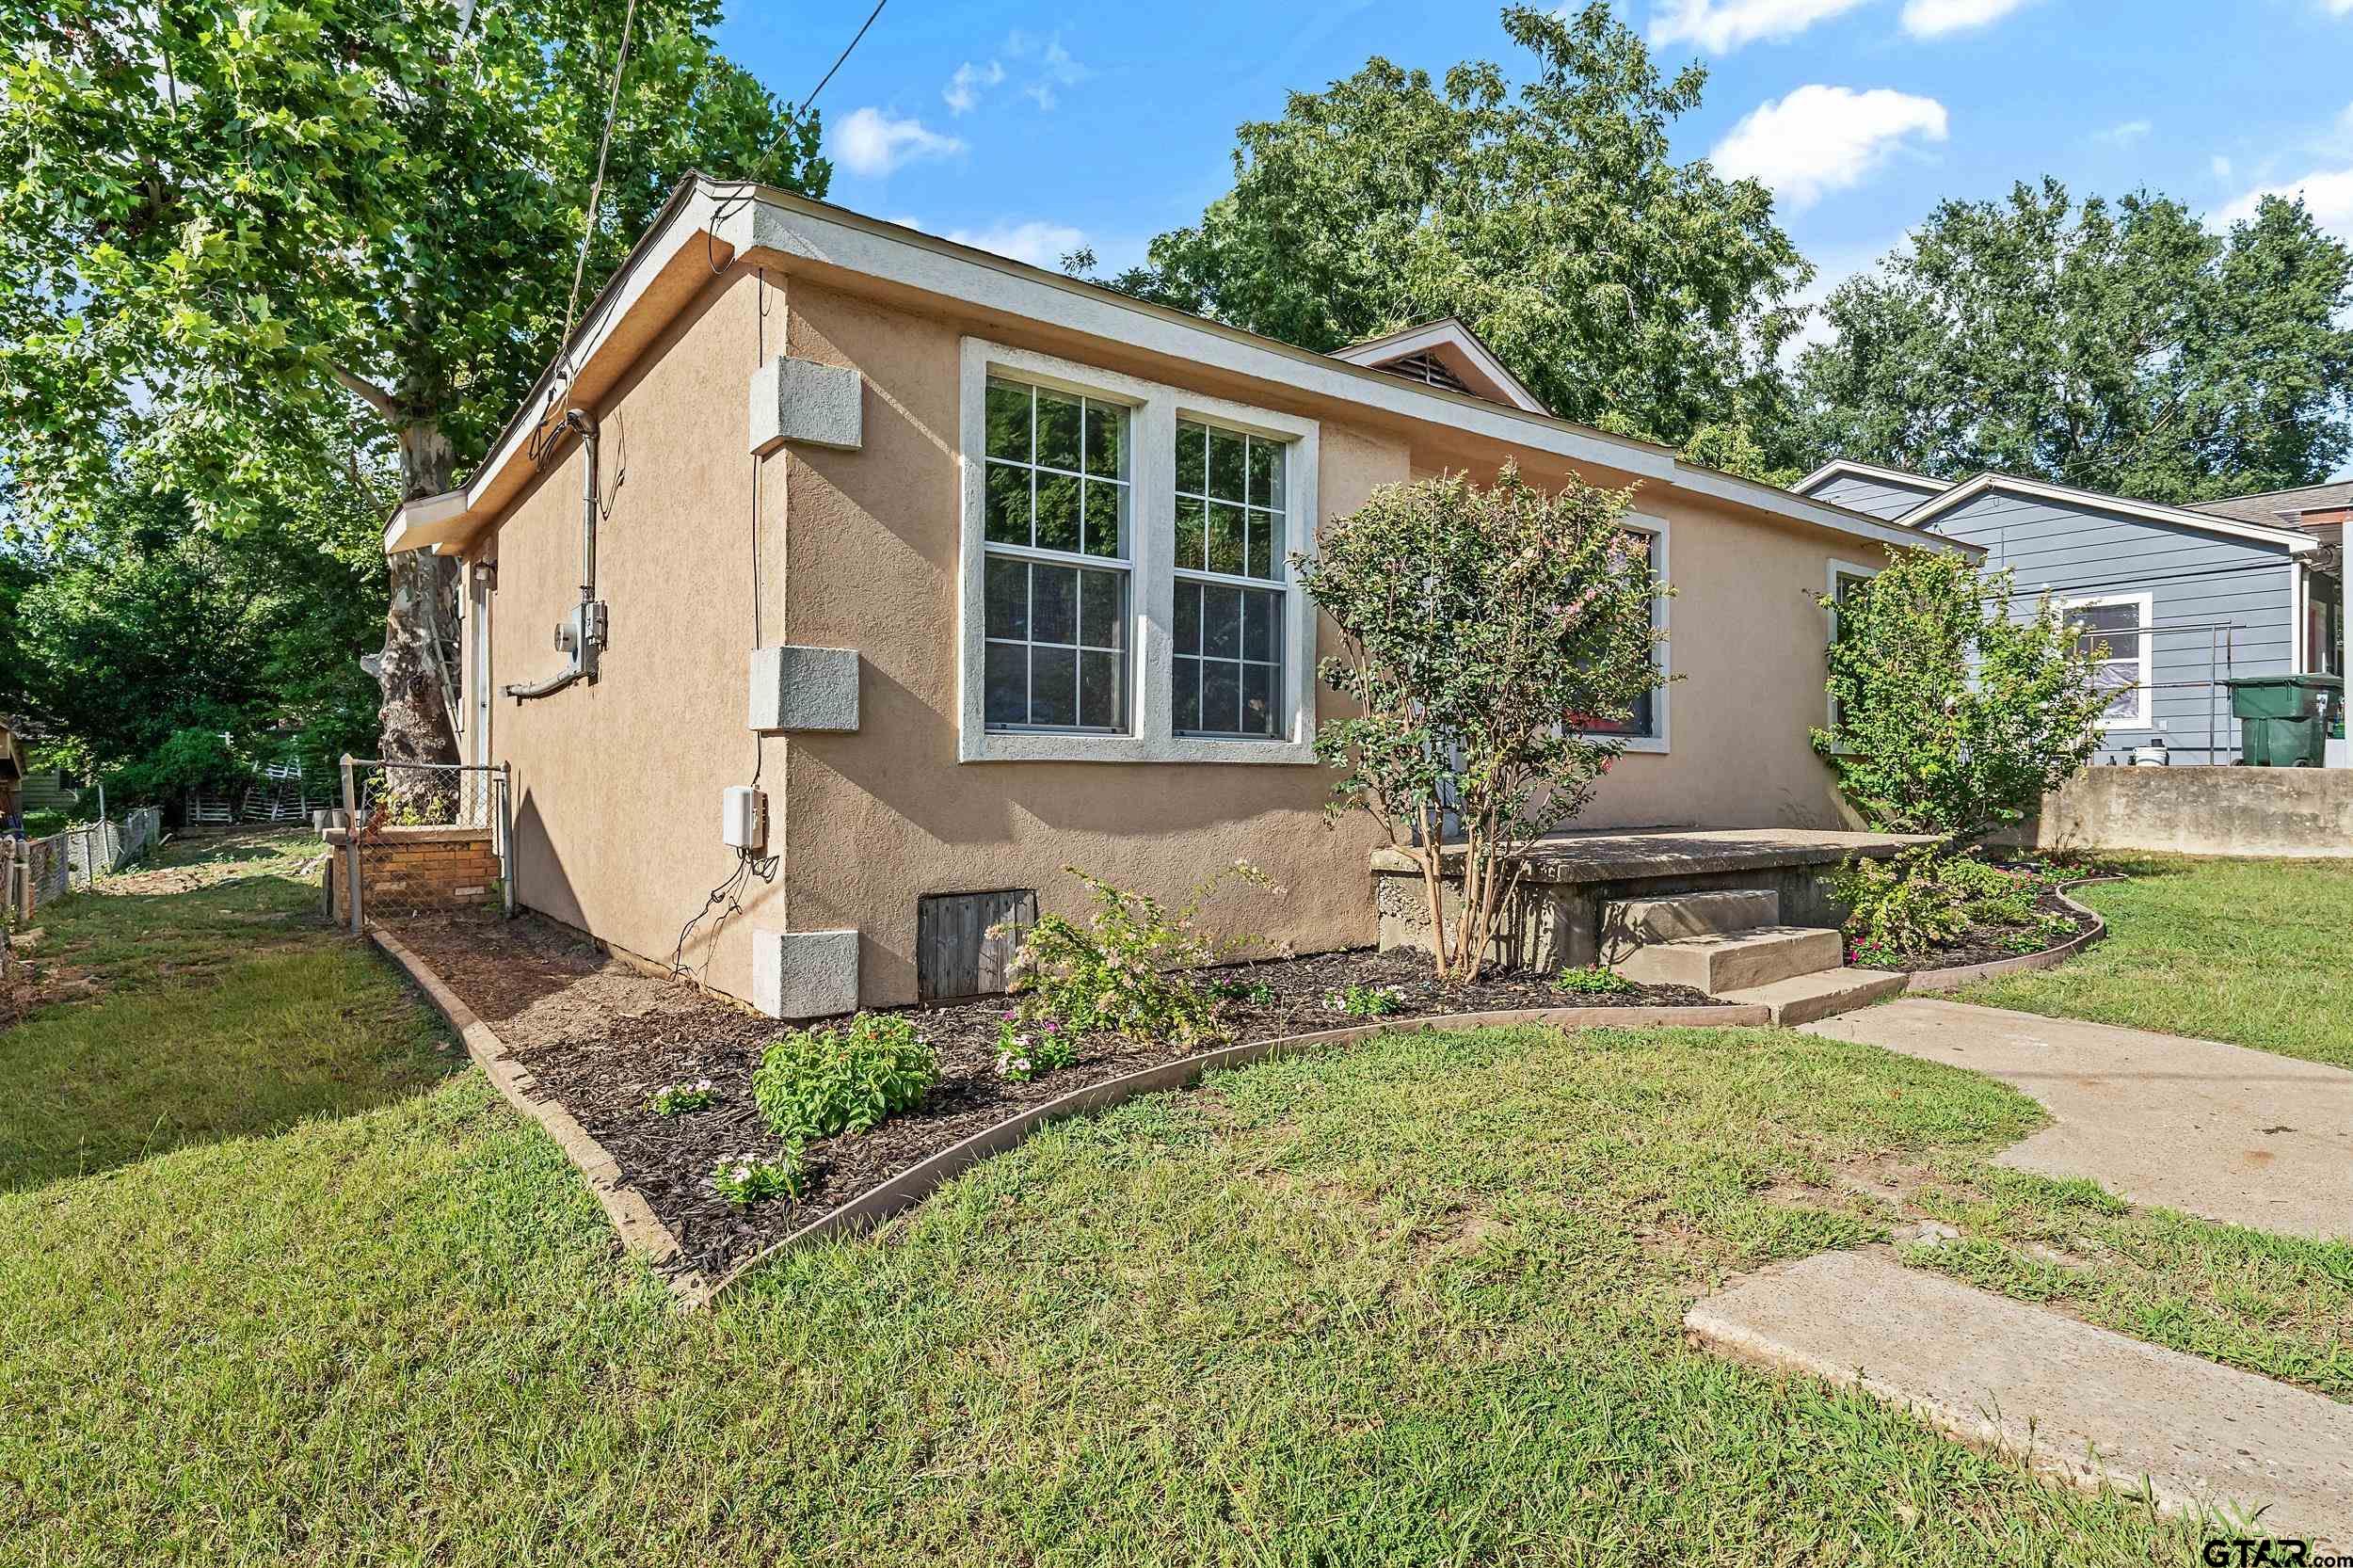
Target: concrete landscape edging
(1931,981)
(633,1220)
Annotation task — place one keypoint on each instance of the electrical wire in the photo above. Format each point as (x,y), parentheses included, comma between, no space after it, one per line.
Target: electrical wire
(596,189)
(838,62)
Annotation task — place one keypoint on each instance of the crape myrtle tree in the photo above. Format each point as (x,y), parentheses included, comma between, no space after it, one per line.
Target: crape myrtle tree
(1488,634)
(1950,715)
(248,247)
(1630,291)
(2123,347)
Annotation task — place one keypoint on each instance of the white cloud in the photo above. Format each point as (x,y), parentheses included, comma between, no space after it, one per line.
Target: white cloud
(2328,195)
(874,142)
(2337,7)
(2124,135)
(1034,241)
(964,88)
(1822,139)
(1936,18)
(1721,27)
(2221,165)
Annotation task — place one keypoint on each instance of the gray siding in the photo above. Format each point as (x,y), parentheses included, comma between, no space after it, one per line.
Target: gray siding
(1873,496)
(2196,581)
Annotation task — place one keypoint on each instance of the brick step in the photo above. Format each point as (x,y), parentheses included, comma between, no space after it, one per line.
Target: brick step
(1736,962)
(1630,921)
(1804,997)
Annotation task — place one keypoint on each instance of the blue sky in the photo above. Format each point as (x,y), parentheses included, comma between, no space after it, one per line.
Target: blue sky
(1030,128)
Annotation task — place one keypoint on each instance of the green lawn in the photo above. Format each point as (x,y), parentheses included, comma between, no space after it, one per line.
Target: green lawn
(1415,1301)
(2257,952)
(219,1007)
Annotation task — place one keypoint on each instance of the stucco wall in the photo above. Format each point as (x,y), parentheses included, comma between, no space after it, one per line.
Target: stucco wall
(616,785)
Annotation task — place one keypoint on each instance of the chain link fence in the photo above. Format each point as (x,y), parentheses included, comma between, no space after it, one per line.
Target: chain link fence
(39,872)
(420,834)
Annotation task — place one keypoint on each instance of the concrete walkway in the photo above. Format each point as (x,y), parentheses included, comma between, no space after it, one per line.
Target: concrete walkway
(2220,1131)
(2071,1400)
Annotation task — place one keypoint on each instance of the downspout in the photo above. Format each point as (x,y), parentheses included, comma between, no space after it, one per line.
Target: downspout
(582,635)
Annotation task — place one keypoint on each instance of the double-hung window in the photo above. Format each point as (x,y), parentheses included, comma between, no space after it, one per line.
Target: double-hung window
(1057,526)
(1229,569)
(1126,586)
(2116,629)
(1646,728)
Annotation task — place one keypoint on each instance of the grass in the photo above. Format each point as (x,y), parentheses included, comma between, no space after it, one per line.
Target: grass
(1416,1300)
(216,1006)
(2249,951)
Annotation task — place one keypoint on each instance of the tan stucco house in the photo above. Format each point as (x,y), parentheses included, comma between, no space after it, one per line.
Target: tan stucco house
(976,571)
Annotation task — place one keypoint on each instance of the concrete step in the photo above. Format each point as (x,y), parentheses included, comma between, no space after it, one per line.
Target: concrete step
(2071,1400)
(1742,959)
(1807,997)
(1627,922)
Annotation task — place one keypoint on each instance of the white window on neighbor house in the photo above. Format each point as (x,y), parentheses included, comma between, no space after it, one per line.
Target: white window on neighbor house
(1645,730)
(1127,589)
(2117,627)
(1844,578)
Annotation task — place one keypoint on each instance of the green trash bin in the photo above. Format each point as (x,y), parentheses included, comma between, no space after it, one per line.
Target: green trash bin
(2284,719)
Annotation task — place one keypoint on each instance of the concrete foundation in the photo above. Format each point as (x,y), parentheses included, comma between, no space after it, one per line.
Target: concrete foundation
(2261,811)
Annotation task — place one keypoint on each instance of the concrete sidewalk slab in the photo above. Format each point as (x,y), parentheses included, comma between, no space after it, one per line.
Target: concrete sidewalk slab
(2073,1400)
(2220,1131)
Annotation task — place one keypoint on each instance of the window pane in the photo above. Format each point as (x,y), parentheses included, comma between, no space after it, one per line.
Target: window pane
(1191,535)
(1008,420)
(1188,694)
(1053,604)
(1192,458)
(1265,544)
(1258,626)
(1107,440)
(1106,519)
(1221,626)
(1258,700)
(1188,619)
(1057,430)
(1266,472)
(1221,695)
(2109,617)
(1057,512)
(1008,598)
(1053,685)
(1102,608)
(1008,683)
(1225,464)
(1099,690)
(1008,504)
(1225,538)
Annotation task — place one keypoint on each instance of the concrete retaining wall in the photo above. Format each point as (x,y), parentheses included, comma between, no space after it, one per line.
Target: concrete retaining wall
(2262,811)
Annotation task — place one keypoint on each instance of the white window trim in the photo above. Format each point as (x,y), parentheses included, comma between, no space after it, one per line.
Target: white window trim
(2146,603)
(1661,610)
(1154,411)
(1829,591)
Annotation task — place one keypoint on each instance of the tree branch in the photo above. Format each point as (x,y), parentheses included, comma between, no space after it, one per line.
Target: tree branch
(370,393)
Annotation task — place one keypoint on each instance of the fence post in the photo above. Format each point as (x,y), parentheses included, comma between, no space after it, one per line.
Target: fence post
(351,842)
(507,837)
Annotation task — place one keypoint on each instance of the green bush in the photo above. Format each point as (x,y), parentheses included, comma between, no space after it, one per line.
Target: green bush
(1365,1002)
(1123,971)
(40,825)
(745,1179)
(1918,901)
(815,1082)
(1595,981)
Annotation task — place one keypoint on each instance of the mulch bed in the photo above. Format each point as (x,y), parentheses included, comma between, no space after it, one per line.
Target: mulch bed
(601,1037)
(1985,944)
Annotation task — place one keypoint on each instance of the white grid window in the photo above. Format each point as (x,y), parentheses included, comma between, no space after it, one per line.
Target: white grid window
(2116,629)
(1057,513)
(1230,624)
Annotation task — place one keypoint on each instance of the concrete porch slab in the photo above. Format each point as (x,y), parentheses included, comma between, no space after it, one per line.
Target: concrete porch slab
(1643,854)
(2240,1136)
(2073,1400)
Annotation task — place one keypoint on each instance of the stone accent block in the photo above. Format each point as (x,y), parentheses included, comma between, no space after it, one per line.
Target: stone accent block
(804,689)
(808,403)
(805,974)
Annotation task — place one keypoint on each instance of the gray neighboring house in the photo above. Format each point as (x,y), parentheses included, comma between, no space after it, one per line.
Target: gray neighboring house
(2185,597)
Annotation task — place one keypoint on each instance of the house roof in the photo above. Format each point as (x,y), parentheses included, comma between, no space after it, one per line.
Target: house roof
(2276,508)
(1449,341)
(706,225)
(2292,540)
(1841,468)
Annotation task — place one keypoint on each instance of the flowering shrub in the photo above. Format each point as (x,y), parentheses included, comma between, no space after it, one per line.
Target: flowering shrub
(815,1082)
(1122,971)
(1365,1002)
(680,1099)
(1025,1051)
(745,1179)
(1595,980)
(1917,901)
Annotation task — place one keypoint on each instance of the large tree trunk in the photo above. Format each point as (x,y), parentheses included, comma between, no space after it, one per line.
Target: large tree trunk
(418,669)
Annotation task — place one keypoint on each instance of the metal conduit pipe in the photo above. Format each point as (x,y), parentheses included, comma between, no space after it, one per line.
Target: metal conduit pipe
(583,634)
